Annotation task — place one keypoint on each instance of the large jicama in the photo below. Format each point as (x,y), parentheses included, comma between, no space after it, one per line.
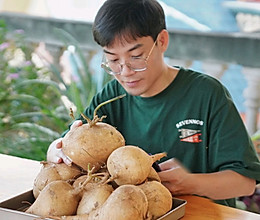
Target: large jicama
(94,195)
(92,143)
(159,198)
(131,164)
(51,172)
(127,202)
(59,198)
(56,199)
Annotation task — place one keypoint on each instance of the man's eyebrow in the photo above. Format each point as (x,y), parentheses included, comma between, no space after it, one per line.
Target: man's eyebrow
(135,47)
(131,49)
(106,51)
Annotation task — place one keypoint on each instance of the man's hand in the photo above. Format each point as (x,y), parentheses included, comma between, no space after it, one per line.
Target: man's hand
(212,185)
(55,153)
(175,177)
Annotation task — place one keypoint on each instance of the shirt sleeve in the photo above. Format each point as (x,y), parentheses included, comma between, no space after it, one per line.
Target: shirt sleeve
(230,146)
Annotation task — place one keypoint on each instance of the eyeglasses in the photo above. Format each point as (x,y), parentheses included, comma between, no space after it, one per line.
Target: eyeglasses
(136,64)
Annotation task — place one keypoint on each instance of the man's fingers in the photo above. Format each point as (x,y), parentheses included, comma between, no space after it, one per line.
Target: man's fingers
(59,144)
(55,153)
(64,158)
(55,159)
(75,124)
(169,186)
(163,175)
(169,164)
(175,190)
(67,160)
(170,170)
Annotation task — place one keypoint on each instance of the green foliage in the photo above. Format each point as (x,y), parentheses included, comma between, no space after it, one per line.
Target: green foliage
(32,108)
(256,136)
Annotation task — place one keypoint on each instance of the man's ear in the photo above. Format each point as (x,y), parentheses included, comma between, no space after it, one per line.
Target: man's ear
(163,40)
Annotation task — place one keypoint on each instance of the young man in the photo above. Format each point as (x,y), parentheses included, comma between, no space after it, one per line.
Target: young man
(169,109)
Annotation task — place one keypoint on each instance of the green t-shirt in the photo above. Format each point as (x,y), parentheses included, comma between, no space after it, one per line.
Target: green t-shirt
(194,120)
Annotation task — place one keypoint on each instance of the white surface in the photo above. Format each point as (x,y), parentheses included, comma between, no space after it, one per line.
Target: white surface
(16,175)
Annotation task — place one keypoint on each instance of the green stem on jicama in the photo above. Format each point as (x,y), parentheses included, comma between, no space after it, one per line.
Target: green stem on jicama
(95,117)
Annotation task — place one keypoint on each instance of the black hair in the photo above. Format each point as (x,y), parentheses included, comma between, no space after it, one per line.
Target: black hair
(128,20)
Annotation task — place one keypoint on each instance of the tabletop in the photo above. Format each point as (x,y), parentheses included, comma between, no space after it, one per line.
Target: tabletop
(17,176)
(205,209)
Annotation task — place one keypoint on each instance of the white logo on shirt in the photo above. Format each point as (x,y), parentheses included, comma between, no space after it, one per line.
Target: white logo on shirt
(188,122)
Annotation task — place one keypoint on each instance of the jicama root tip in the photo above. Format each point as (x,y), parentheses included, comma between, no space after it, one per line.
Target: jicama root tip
(158,156)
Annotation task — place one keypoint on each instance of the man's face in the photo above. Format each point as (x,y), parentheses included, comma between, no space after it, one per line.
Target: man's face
(144,83)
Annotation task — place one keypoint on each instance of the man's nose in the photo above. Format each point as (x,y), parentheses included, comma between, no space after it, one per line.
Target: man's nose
(126,69)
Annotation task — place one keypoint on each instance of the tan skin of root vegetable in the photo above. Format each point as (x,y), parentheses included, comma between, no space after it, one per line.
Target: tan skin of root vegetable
(159,198)
(51,172)
(94,195)
(59,198)
(93,142)
(153,175)
(131,165)
(127,202)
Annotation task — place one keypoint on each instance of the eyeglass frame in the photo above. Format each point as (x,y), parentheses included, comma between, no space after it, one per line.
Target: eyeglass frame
(104,64)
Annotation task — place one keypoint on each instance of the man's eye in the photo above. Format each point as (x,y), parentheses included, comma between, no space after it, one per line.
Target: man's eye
(113,61)
(137,57)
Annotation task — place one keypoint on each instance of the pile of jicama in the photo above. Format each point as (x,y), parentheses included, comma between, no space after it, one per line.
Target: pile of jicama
(107,180)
